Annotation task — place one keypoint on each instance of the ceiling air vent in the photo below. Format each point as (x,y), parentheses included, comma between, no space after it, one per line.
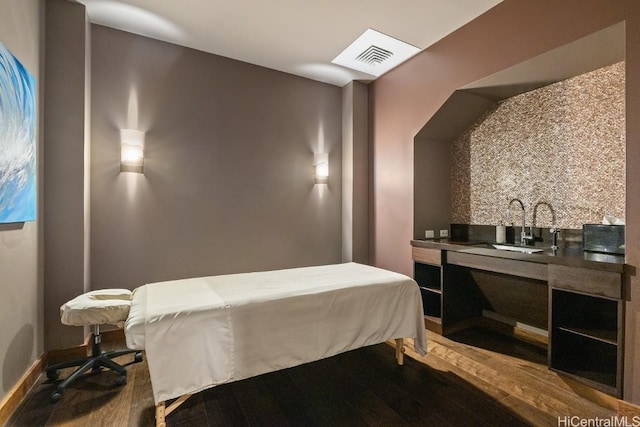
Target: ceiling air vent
(374,55)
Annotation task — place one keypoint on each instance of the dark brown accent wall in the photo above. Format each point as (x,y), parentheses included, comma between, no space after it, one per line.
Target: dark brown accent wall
(228,169)
(432,197)
(407,97)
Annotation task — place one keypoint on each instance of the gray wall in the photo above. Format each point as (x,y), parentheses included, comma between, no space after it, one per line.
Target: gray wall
(355,172)
(228,174)
(21,336)
(66,235)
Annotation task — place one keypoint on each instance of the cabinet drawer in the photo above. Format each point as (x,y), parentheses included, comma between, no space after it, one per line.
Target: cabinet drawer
(512,267)
(428,256)
(586,280)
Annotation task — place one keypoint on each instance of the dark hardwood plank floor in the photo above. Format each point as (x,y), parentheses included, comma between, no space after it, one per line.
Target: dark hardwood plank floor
(477,378)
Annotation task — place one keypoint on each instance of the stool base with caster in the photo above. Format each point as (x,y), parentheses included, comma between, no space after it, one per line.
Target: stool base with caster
(98,358)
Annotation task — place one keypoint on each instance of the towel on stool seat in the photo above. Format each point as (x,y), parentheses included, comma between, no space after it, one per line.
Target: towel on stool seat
(97,307)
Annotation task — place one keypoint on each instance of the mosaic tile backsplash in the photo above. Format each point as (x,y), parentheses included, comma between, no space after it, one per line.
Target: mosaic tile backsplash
(563,144)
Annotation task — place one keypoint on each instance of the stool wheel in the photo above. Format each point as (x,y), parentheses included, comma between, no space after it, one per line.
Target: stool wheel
(53,374)
(138,357)
(55,397)
(121,380)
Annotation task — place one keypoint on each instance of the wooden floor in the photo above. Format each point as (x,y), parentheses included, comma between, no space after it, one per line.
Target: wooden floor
(478,378)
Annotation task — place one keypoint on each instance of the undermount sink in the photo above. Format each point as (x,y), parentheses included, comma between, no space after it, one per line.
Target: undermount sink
(521,249)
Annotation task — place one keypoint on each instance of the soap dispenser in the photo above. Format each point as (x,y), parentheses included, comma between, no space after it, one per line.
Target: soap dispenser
(501,233)
(501,229)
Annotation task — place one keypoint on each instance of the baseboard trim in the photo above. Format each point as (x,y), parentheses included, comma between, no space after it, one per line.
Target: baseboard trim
(113,336)
(19,391)
(11,401)
(57,356)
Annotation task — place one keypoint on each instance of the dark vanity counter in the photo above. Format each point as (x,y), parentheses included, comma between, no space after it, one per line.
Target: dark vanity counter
(572,255)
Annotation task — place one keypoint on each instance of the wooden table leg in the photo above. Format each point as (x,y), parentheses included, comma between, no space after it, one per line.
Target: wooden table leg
(400,351)
(160,421)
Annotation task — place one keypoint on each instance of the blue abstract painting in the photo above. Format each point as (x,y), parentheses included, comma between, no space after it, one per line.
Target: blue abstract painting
(17,140)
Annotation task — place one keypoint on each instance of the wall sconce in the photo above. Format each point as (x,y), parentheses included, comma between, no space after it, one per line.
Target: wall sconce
(321,166)
(132,150)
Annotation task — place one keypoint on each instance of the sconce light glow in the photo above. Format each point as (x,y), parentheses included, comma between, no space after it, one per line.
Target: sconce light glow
(321,164)
(132,150)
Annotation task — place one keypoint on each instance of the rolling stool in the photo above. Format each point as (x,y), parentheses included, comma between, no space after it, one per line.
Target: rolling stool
(94,308)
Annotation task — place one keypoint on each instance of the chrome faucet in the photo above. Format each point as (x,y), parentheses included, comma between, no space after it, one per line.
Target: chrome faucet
(553,230)
(524,238)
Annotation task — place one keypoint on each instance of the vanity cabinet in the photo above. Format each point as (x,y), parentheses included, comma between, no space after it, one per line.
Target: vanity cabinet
(579,302)
(449,296)
(586,326)
(428,274)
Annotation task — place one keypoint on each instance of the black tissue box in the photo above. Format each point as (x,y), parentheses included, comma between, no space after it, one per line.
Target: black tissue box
(603,238)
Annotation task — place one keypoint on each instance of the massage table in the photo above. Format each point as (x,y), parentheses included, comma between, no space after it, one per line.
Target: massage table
(201,332)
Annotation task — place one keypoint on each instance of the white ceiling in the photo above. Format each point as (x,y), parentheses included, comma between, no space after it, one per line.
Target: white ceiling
(300,37)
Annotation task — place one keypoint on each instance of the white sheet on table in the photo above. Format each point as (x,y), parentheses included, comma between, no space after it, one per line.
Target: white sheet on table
(188,337)
(206,331)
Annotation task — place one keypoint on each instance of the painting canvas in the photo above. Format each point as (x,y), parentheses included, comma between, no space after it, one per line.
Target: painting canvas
(17,140)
